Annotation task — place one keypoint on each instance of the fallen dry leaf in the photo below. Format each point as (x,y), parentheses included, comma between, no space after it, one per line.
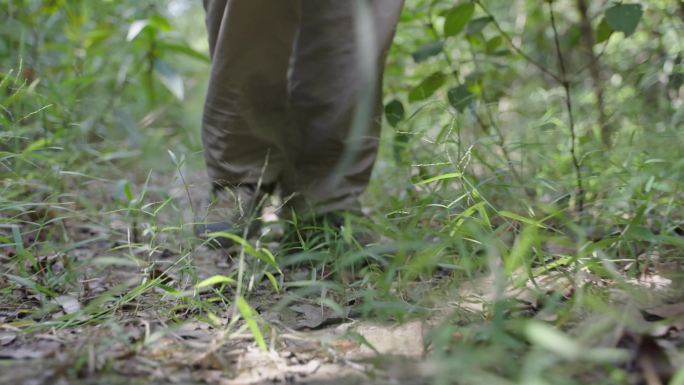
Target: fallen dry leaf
(7,338)
(403,340)
(35,350)
(667,311)
(20,353)
(68,303)
(313,317)
(672,314)
(158,273)
(648,357)
(345,345)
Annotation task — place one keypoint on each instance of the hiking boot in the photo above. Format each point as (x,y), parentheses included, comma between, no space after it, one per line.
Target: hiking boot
(232,210)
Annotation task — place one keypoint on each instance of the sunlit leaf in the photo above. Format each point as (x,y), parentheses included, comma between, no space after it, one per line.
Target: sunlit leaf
(135,28)
(558,343)
(267,257)
(249,249)
(214,280)
(248,315)
(173,157)
(161,23)
(520,218)
(451,175)
(274,282)
(678,378)
(553,340)
(170,79)
(262,254)
(38,144)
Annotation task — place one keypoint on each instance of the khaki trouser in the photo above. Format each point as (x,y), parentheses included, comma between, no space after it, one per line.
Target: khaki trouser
(283,90)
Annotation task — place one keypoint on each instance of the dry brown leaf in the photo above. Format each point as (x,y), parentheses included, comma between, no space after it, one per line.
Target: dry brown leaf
(648,357)
(305,369)
(673,314)
(402,340)
(7,338)
(21,353)
(313,317)
(68,303)
(668,311)
(211,361)
(35,350)
(654,362)
(157,272)
(344,345)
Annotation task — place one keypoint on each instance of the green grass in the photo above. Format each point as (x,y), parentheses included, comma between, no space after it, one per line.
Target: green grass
(99,165)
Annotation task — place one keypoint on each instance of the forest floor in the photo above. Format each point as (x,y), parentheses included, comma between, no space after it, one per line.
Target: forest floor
(127,313)
(524,224)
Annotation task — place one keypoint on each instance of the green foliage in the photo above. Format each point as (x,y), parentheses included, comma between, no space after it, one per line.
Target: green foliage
(427,87)
(394,112)
(214,280)
(624,17)
(489,157)
(427,51)
(457,18)
(250,318)
(460,97)
(477,179)
(603,31)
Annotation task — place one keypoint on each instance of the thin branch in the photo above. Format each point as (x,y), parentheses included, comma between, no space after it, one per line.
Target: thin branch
(579,204)
(596,58)
(480,121)
(594,71)
(492,122)
(520,52)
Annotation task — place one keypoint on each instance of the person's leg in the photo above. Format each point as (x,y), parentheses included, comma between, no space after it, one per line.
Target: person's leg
(325,83)
(245,122)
